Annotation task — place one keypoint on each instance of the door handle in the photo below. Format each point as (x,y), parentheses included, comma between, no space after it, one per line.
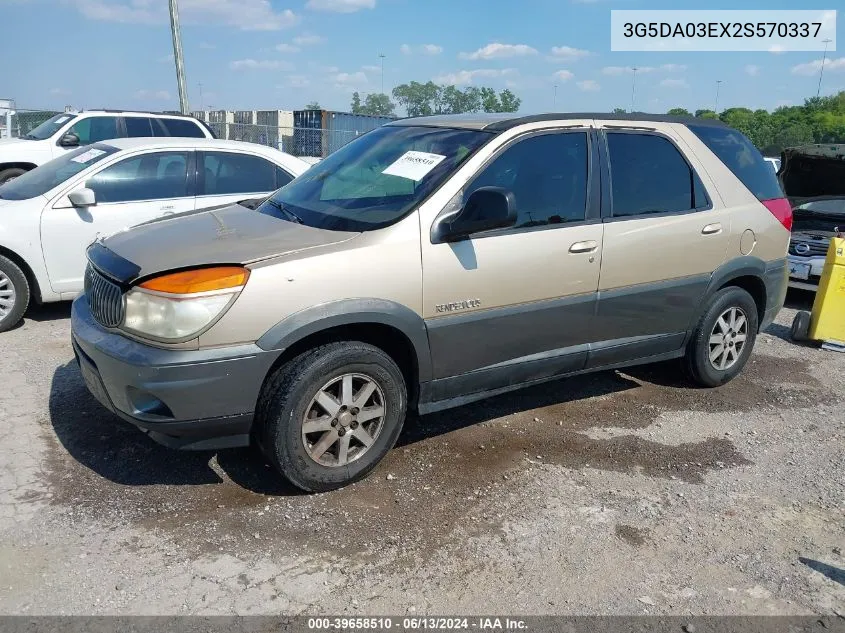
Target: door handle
(712,229)
(584,247)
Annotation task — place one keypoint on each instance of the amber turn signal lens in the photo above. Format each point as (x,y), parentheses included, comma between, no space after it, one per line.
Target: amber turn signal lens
(201,280)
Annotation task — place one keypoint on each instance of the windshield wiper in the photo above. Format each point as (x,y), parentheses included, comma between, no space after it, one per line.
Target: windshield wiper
(30,137)
(291,215)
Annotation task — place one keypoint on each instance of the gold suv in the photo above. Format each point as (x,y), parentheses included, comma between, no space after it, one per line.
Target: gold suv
(429,263)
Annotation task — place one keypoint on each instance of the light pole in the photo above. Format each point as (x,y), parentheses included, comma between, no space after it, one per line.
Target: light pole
(633,86)
(821,70)
(716,108)
(555,99)
(382,55)
(177,56)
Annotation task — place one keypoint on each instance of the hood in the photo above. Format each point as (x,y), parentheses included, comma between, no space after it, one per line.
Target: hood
(232,234)
(813,171)
(36,202)
(6,142)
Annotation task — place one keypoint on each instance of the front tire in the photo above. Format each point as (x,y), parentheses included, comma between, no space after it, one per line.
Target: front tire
(14,294)
(329,416)
(723,339)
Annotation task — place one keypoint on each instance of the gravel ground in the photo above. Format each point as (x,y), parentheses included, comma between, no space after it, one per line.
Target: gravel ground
(614,493)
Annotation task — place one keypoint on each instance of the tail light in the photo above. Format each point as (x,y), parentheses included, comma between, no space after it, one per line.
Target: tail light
(781,209)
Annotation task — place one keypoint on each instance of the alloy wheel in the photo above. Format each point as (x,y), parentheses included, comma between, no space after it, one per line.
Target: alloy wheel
(727,339)
(343,420)
(7,295)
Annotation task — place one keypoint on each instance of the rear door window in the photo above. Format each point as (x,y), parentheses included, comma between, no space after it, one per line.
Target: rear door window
(649,175)
(230,173)
(182,127)
(742,158)
(137,126)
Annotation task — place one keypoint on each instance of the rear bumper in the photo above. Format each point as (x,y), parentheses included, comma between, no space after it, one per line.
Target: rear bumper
(776,279)
(192,399)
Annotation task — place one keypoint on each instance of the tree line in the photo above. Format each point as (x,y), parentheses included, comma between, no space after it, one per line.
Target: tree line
(818,120)
(420,99)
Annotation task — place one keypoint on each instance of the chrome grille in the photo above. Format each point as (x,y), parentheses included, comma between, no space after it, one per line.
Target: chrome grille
(808,248)
(105,298)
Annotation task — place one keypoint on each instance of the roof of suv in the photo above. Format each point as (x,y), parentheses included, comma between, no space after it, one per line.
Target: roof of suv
(498,122)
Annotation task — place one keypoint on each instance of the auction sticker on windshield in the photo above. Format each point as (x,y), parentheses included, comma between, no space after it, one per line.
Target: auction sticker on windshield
(414,165)
(88,156)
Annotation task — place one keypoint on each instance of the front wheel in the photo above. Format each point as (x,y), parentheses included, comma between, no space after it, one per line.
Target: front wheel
(14,294)
(723,339)
(329,416)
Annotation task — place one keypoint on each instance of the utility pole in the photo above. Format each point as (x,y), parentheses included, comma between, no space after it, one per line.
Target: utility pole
(633,86)
(716,108)
(821,70)
(177,56)
(555,100)
(382,55)
(202,107)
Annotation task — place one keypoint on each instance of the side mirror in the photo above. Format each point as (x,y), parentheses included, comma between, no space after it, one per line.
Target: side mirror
(69,140)
(486,209)
(82,198)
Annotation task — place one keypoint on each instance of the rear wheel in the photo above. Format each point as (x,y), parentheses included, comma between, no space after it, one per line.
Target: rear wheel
(14,294)
(723,339)
(329,416)
(11,173)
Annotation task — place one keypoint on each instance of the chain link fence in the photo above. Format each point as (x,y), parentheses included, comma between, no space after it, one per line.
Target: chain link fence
(24,121)
(303,142)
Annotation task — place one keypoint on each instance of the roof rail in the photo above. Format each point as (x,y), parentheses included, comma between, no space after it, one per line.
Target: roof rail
(114,111)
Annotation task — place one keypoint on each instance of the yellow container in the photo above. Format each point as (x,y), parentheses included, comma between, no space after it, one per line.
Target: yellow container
(828,320)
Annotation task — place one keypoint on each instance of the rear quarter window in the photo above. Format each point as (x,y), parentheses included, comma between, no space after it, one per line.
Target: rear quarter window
(742,158)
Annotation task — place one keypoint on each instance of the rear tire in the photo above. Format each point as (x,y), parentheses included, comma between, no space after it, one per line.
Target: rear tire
(14,294)
(723,339)
(8,174)
(328,389)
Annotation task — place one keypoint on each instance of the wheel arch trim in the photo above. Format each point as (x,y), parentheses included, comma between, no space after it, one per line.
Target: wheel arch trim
(363,311)
(745,266)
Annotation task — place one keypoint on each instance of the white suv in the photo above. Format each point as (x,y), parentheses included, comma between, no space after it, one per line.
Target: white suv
(64,132)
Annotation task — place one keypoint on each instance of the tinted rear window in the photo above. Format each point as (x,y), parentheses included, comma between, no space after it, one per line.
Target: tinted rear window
(182,127)
(742,158)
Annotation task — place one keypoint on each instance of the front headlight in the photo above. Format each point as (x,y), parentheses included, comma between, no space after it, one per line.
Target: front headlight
(179,306)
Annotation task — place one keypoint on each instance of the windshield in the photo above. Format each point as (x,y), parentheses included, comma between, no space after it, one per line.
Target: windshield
(375,180)
(819,215)
(49,127)
(41,179)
